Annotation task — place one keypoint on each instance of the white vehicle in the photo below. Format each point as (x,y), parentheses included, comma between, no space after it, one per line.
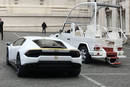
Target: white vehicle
(83,29)
(43,53)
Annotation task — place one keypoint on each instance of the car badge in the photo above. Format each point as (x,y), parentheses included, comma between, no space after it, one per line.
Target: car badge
(56,57)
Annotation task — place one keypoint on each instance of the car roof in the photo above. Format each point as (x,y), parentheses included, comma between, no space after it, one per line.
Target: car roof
(40,37)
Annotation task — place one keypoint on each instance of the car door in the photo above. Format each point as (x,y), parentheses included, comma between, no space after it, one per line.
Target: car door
(15,48)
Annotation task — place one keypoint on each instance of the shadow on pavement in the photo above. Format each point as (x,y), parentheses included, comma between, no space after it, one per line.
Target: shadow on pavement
(45,74)
(99,62)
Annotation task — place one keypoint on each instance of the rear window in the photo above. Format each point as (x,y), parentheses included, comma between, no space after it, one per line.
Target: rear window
(44,43)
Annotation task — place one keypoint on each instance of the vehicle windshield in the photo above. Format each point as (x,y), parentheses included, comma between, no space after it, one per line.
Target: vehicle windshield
(45,43)
(81,15)
(91,16)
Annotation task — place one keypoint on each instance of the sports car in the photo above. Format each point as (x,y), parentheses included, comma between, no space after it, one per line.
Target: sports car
(31,53)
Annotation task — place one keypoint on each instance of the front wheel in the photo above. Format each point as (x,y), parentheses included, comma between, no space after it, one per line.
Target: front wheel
(86,57)
(7,57)
(75,72)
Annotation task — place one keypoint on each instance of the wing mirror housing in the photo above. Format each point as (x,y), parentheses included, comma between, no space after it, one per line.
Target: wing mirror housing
(60,31)
(8,43)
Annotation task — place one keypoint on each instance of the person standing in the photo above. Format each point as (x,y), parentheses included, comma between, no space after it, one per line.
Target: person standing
(44,26)
(1,28)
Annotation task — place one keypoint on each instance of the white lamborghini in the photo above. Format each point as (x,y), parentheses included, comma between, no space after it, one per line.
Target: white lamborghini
(43,53)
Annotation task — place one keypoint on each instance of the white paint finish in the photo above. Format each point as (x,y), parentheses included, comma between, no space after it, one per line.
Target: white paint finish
(89,35)
(29,44)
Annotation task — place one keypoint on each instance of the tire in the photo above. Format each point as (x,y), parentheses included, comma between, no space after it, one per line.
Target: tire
(7,57)
(86,57)
(75,73)
(19,68)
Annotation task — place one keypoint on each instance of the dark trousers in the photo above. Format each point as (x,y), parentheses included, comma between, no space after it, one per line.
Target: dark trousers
(44,31)
(1,35)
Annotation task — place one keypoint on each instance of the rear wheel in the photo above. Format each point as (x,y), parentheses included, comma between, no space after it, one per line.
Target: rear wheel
(86,57)
(7,57)
(75,72)
(19,67)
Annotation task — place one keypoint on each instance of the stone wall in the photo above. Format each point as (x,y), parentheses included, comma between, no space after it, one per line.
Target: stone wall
(28,15)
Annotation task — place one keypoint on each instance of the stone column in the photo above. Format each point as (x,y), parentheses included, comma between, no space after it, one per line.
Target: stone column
(127,17)
(102,17)
(114,15)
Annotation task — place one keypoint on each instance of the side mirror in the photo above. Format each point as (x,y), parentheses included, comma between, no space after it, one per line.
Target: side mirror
(60,31)
(8,43)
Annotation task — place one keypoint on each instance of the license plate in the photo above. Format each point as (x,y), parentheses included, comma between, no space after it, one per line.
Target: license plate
(56,57)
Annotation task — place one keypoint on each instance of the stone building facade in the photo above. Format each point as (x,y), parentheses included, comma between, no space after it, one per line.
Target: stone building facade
(125,13)
(28,15)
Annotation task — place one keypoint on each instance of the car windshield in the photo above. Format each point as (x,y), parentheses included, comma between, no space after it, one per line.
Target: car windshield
(45,43)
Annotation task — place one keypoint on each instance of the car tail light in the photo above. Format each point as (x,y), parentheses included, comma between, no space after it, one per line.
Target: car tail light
(74,53)
(120,48)
(33,53)
(96,48)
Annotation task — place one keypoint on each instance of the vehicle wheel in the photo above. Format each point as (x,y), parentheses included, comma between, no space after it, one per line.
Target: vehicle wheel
(19,67)
(86,57)
(75,72)
(7,57)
